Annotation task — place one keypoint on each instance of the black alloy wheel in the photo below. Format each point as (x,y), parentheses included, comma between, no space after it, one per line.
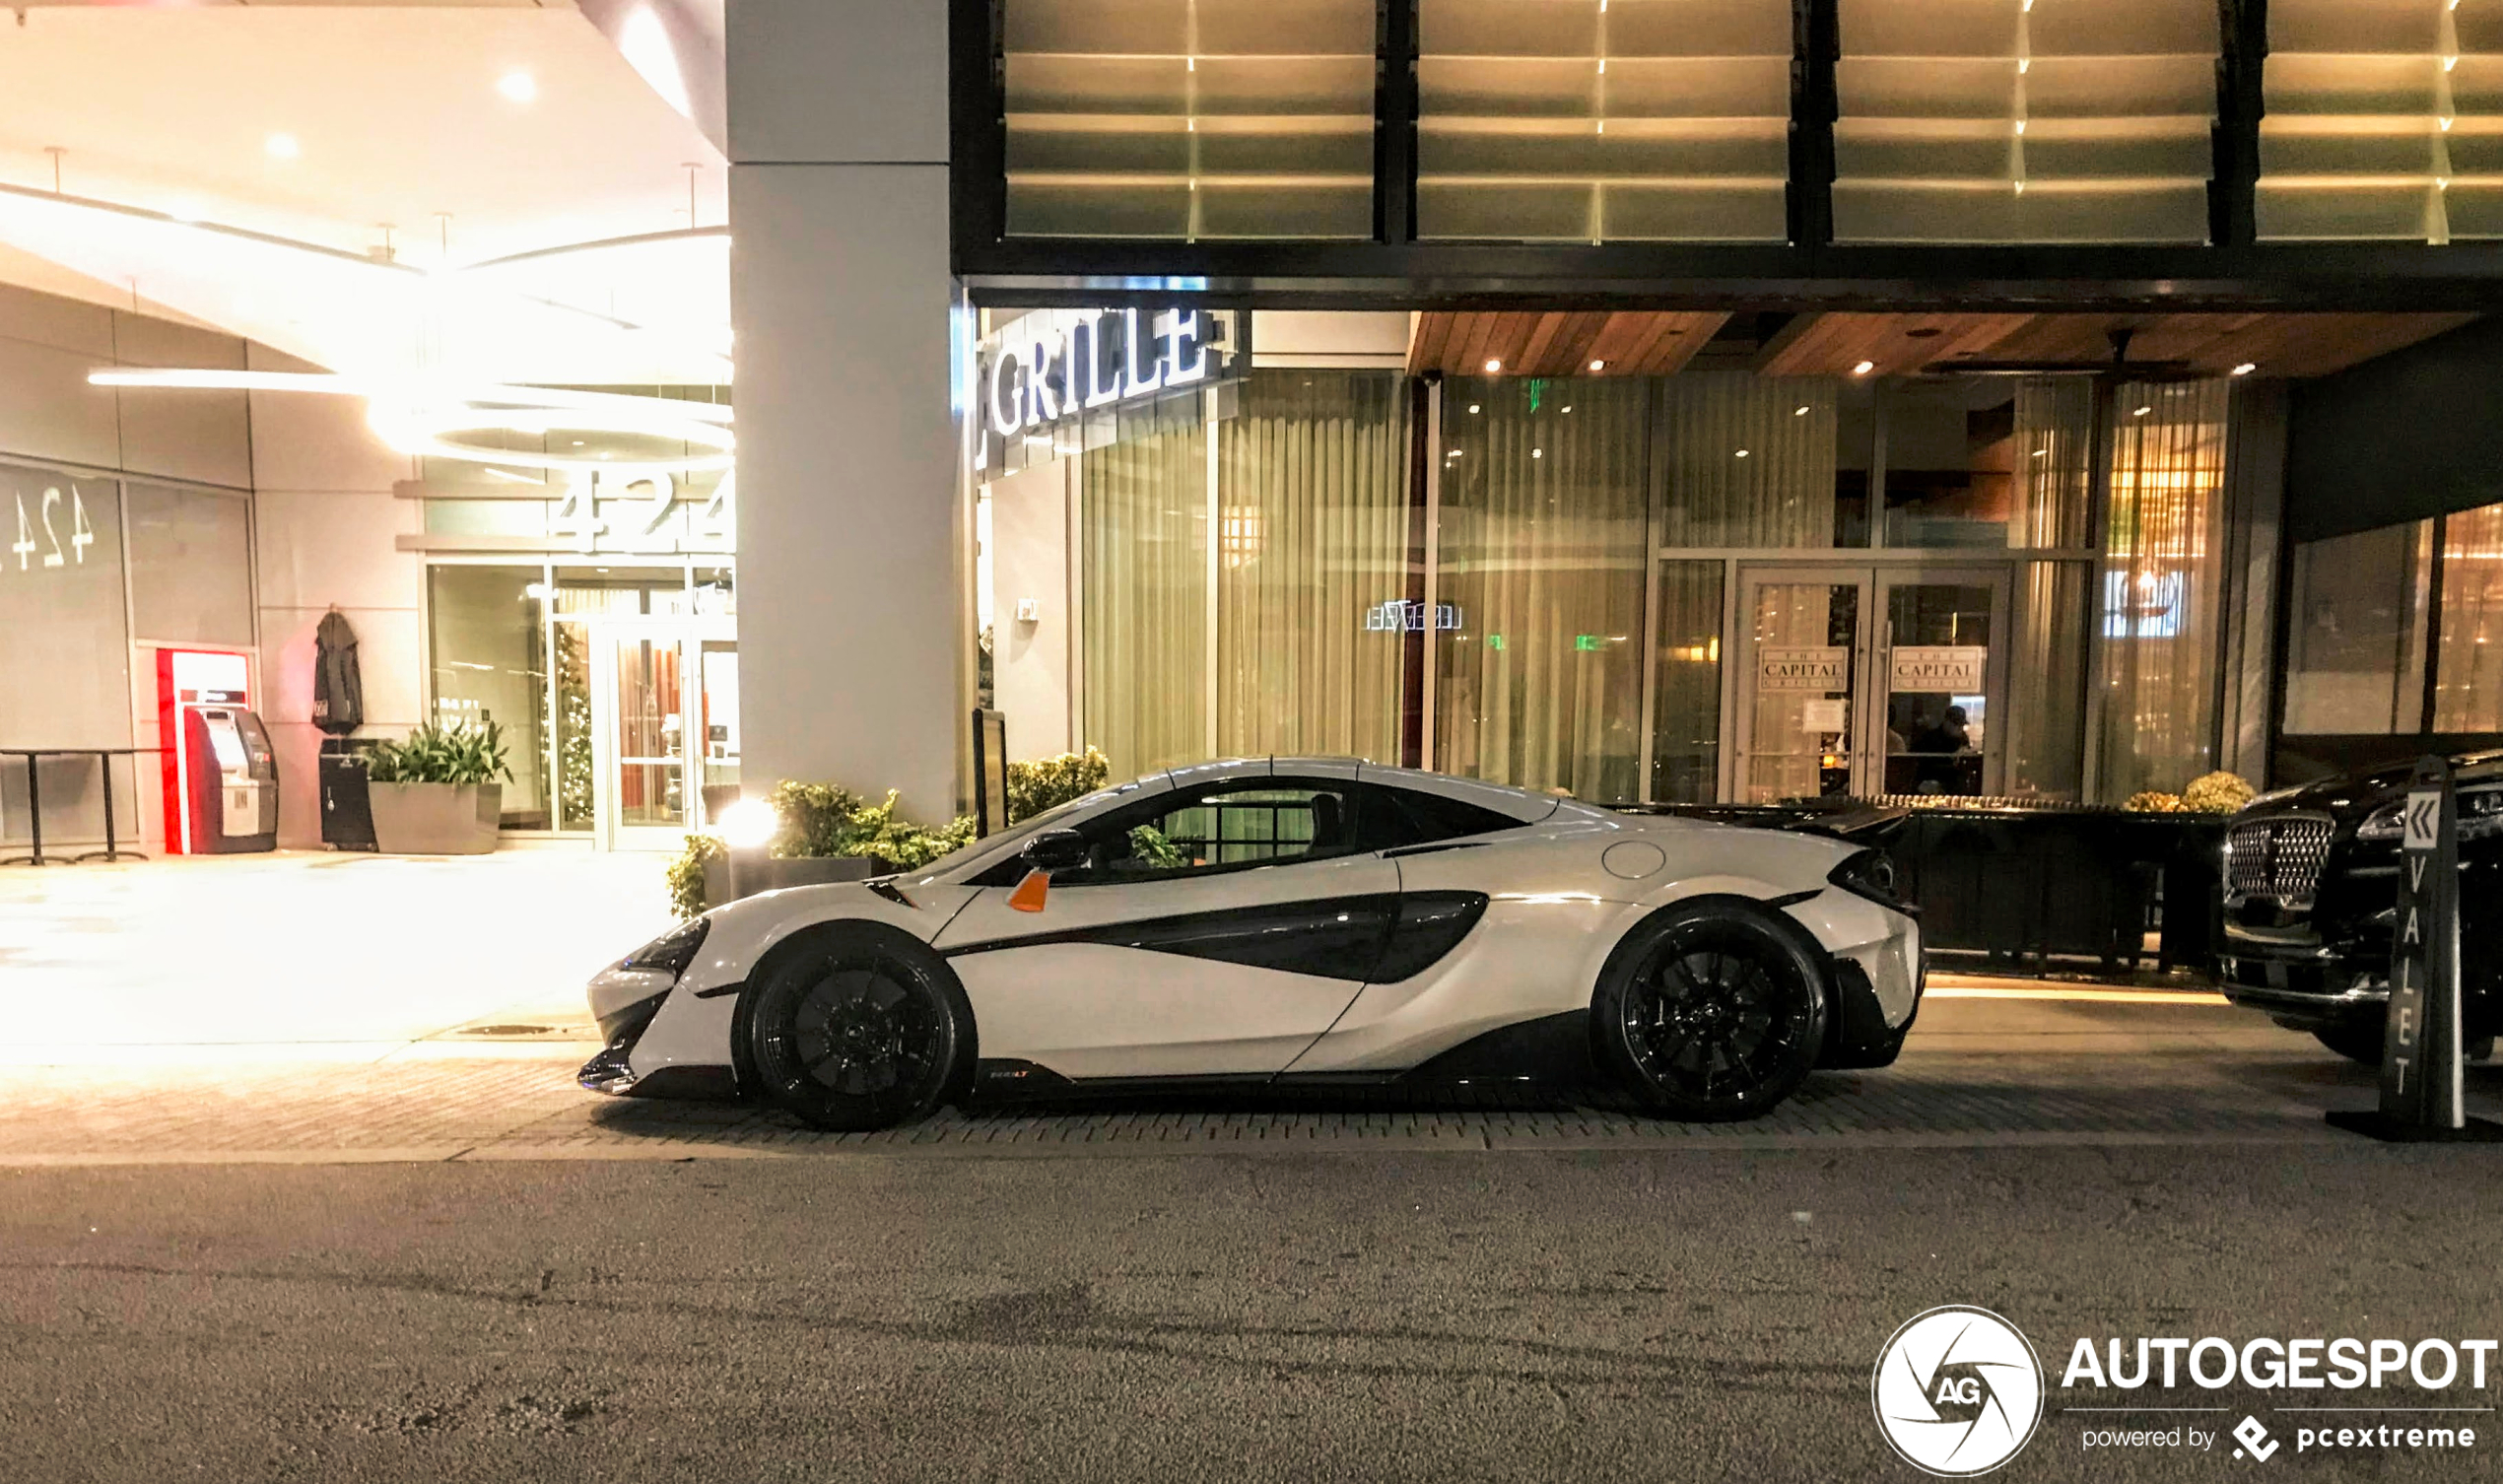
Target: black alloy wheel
(1712,1009)
(855,1027)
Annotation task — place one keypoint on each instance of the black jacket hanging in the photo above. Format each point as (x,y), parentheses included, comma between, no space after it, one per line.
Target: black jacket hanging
(338,705)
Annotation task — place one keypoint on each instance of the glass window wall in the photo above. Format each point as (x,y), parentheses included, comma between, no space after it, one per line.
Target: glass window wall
(1987,461)
(2355,632)
(1150,600)
(1686,711)
(490,664)
(2161,587)
(1542,551)
(1752,460)
(1313,565)
(2468,670)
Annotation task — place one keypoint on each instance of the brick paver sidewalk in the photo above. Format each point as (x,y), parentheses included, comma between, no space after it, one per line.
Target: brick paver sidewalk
(530,1108)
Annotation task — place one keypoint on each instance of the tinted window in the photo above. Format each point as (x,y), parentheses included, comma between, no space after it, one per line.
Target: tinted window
(1427,818)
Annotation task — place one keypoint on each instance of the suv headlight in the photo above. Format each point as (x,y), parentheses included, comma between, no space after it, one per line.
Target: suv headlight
(672,951)
(2480,815)
(1870,876)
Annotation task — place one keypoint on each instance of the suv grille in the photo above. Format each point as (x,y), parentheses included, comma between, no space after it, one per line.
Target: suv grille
(2277,857)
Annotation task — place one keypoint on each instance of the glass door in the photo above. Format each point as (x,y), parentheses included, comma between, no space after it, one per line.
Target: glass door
(1863,680)
(1940,666)
(1803,639)
(660,692)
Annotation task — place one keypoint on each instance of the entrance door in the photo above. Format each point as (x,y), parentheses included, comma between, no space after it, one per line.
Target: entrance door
(650,718)
(1862,681)
(1802,645)
(1941,651)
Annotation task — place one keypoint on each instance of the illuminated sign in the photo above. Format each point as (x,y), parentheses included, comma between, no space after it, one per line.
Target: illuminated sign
(1051,380)
(1400,616)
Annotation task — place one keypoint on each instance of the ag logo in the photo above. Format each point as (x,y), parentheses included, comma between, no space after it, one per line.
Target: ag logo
(1958,1392)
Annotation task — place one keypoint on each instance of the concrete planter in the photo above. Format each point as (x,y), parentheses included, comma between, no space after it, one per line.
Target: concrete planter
(744,873)
(436,818)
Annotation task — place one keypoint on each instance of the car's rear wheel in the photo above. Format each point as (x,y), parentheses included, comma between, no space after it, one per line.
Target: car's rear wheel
(855,1027)
(2356,1041)
(1711,1009)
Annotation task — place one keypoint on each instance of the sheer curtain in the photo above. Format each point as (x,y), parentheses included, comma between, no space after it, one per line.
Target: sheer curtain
(1144,516)
(1750,460)
(2469,673)
(1686,713)
(1312,564)
(2161,581)
(1542,553)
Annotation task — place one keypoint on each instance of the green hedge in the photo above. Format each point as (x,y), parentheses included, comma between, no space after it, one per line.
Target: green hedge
(828,818)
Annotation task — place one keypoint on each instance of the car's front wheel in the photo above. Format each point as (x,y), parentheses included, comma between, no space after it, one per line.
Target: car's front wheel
(1711,1009)
(855,1027)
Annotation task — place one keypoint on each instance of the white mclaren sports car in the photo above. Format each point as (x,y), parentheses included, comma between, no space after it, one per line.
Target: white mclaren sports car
(1282,921)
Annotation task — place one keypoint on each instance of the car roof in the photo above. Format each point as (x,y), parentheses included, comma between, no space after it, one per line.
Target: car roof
(1513,803)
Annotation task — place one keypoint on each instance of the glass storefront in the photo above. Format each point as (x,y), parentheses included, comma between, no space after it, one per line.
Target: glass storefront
(2397,631)
(1719,584)
(616,690)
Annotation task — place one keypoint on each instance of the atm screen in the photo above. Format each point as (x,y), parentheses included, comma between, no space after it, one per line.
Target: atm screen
(228,746)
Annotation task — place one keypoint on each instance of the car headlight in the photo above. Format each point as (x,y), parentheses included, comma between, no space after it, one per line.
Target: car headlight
(672,951)
(2480,815)
(1870,876)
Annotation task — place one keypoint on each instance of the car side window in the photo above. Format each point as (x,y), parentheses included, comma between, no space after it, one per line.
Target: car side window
(1230,826)
(1425,818)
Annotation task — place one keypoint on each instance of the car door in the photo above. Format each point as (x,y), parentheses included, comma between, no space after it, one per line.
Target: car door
(1215,930)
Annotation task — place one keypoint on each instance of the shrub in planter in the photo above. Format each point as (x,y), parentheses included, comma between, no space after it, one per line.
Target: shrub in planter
(827,819)
(438,790)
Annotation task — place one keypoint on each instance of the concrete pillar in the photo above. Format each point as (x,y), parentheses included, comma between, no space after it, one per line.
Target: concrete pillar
(849,650)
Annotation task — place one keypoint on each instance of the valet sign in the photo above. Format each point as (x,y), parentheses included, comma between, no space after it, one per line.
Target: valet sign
(1052,366)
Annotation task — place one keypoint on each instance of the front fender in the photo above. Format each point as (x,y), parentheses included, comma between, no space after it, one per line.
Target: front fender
(693,1027)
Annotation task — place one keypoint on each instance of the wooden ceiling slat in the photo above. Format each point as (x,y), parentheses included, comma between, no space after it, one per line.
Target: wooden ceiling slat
(1425,345)
(1660,339)
(1662,342)
(1700,328)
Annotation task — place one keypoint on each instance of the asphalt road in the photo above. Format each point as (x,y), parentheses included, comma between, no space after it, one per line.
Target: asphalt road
(1652,1314)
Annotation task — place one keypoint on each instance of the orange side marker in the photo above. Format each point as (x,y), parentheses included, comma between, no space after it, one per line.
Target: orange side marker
(1028,897)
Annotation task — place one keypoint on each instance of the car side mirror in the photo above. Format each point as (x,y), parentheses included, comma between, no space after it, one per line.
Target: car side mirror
(1056,850)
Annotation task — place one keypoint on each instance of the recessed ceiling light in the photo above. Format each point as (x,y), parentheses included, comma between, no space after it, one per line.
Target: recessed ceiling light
(2142,412)
(1493,366)
(282,146)
(518,86)
(1863,368)
(1537,453)
(1799,412)
(1742,454)
(1598,366)
(2246,369)
(1472,407)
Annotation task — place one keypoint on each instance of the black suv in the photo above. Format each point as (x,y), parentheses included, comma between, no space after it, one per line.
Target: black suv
(2311,894)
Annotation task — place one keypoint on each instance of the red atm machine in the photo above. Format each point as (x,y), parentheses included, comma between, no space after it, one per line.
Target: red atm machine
(221,779)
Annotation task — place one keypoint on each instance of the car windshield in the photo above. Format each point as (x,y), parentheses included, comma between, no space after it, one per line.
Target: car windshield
(992,849)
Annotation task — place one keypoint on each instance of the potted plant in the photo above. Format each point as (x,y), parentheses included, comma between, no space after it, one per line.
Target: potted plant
(436,792)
